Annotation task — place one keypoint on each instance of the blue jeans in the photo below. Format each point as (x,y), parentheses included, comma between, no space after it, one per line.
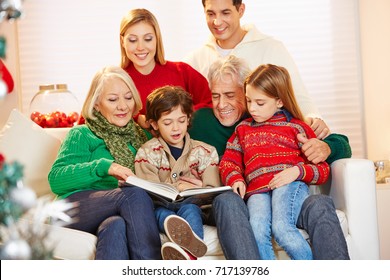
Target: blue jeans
(189,212)
(231,217)
(276,213)
(318,217)
(123,220)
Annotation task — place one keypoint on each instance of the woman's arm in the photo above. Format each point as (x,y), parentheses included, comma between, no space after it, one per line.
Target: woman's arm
(75,167)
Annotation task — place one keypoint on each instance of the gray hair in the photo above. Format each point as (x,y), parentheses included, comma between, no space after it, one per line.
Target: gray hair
(231,65)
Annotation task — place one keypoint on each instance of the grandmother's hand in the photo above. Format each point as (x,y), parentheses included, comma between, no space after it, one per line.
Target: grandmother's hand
(119,172)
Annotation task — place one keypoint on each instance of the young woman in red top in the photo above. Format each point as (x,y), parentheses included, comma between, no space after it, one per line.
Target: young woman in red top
(263,162)
(142,56)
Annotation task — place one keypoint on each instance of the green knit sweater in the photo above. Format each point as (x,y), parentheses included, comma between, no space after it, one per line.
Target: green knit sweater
(82,164)
(206,127)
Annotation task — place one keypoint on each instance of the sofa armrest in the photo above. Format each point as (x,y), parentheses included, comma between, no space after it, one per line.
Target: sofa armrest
(353,190)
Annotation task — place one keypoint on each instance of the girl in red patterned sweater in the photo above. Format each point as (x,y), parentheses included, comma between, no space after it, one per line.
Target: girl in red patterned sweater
(264,164)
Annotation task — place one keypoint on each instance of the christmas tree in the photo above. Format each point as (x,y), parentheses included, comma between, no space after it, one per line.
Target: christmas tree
(23,216)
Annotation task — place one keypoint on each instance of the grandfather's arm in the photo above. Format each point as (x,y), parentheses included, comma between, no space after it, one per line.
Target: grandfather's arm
(333,147)
(339,147)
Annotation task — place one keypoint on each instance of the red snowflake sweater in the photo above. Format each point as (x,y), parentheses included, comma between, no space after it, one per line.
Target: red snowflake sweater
(257,151)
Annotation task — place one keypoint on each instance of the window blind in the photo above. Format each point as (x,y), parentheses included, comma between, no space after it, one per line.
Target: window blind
(68,41)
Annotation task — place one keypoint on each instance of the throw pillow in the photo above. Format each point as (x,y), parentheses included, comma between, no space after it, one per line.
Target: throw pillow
(24,141)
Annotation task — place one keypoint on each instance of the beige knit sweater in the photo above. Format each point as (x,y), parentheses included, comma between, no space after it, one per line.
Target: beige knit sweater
(154,162)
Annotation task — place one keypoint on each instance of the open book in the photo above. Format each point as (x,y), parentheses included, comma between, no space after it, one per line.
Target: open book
(164,194)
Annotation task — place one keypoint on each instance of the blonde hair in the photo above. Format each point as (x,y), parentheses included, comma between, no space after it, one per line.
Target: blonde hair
(275,82)
(96,89)
(133,17)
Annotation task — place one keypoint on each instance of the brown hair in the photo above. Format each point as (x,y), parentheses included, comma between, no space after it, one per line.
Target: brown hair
(236,3)
(275,81)
(166,99)
(136,16)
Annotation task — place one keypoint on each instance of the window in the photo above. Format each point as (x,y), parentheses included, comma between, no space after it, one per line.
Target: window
(68,41)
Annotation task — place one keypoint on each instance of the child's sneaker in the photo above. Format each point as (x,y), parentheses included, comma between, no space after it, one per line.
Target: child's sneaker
(180,232)
(172,251)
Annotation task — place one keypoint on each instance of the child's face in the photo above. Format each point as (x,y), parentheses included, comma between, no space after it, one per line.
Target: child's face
(172,127)
(260,106)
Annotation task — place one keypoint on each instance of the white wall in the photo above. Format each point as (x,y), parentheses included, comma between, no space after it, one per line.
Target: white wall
(375,47)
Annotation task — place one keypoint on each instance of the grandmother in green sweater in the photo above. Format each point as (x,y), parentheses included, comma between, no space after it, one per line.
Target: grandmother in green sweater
(91,160)
(215,125)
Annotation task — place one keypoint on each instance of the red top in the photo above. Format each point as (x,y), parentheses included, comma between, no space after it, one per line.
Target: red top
(172,74)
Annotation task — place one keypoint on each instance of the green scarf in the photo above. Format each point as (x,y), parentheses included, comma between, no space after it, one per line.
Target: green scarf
(117,138)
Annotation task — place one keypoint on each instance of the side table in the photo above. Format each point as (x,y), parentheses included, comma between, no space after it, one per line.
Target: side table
(383,207)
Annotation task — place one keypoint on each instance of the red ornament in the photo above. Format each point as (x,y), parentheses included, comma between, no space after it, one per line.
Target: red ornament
(2,160)
(73,117)
(6,77)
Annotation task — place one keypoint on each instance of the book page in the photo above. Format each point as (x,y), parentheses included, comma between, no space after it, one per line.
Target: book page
(194,191)
(163,189)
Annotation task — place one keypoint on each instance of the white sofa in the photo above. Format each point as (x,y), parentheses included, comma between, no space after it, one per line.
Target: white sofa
(352,187)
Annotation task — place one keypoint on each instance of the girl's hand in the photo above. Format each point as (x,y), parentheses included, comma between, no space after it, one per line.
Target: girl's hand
(239,188)
(285,177)
(119,172)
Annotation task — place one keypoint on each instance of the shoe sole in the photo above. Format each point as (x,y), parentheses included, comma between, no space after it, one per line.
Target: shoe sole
(168,252)
(180,232)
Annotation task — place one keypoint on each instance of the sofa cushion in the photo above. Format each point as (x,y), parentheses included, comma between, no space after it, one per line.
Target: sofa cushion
(70,244)
(24,141)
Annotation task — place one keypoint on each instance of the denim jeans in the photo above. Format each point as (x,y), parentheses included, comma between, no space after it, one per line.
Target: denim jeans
(112,234)
(275,213)
(231,217)
(189,212)
(123,220)
(318,217)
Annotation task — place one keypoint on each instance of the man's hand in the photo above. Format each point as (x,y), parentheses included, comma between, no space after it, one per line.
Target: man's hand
(320,128)
(314,149)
